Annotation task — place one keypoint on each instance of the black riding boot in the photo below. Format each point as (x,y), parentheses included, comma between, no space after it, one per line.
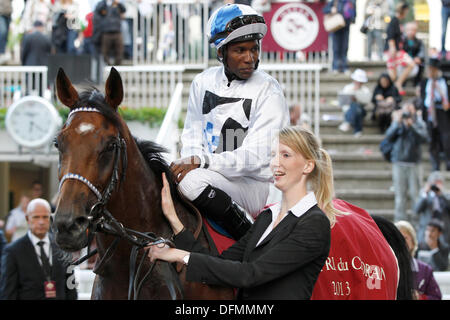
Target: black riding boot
(218,206)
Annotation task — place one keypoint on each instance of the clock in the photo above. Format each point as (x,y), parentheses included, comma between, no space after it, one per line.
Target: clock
(32,121)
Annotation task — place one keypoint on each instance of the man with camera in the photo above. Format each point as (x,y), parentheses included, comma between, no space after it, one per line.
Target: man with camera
(407,132)
(433,203)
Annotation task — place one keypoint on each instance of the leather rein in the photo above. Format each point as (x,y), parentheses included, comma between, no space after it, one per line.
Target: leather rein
(101,220)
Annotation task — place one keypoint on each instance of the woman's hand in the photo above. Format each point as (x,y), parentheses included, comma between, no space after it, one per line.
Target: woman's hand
(166,253)
(168,207)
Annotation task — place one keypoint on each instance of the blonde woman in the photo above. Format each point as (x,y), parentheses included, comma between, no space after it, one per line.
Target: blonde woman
(425,285)
(282,254)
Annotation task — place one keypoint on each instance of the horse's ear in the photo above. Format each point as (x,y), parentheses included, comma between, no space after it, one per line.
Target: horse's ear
(67,94)
(114,89)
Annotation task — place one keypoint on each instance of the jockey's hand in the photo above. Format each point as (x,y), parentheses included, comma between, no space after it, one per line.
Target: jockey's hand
(165,253)
(181,167)
(168,207)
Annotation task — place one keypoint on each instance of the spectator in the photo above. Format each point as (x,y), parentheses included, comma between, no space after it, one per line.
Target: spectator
(425,285)
(360,96)
(340,37)
(433,203)
(435,108)
(385,99)
(88,39)
(37,190)
(407,132)
(297,117)
(5,19)
(37,10)
(36,47)
(399,63)
(3,243)
(375,12)
(16,224)
(434,250)
(31,266)
(67,27)
(445,13)
(415,48)
(111,12)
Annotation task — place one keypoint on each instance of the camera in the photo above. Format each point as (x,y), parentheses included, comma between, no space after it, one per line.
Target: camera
(406,115)
(435,188)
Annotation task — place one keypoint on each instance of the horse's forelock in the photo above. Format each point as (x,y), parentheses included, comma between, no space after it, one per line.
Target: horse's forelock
(95,99)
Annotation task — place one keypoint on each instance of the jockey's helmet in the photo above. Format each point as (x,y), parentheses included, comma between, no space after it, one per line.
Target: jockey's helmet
(235,23)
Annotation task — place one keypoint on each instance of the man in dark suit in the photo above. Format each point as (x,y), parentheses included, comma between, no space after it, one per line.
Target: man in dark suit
(36,47)
(32,268)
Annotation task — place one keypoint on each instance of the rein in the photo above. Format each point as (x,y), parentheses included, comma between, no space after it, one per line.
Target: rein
(101,220)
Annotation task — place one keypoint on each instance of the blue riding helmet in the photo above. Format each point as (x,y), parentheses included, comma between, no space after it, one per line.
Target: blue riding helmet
(235,22)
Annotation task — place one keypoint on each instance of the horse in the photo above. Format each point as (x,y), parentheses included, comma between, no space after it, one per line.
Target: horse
(110,190)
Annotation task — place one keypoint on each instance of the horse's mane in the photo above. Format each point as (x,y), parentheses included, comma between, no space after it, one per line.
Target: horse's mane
(151,151)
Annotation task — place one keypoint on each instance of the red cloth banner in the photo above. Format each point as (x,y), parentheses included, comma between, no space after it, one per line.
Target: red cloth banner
(295,26)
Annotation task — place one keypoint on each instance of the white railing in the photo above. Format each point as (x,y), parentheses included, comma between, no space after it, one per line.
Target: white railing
(172,33)
(301,85)
(443,280)
(148,86)
(323,58)
(169,134)
(17,81)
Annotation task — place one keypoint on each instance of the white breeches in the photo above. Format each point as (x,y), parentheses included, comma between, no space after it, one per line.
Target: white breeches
(248,193)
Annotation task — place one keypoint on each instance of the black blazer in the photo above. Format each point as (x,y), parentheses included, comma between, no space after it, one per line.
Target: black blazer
(284,266)
(22,277)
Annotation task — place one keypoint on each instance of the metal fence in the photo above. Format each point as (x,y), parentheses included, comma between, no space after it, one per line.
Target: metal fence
(169,134)
(173,32)
(148,86)
(301,85)
(17,81)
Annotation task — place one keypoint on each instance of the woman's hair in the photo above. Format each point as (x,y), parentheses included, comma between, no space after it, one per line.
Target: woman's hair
(403,225)
(384,75)
(304,142)
(401,6)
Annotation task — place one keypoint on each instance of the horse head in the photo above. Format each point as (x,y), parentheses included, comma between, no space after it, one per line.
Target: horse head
(92,157)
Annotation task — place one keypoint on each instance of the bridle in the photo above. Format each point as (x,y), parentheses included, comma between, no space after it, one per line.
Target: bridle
(101,220)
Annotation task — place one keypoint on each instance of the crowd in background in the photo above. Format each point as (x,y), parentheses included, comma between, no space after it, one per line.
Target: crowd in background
(407,124)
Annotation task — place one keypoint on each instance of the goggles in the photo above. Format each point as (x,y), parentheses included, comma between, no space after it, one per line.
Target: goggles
(237,23)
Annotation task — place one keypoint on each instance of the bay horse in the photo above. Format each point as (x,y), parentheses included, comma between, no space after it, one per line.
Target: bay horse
(110,188)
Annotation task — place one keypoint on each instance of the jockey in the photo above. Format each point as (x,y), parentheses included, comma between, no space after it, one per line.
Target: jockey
(233,110)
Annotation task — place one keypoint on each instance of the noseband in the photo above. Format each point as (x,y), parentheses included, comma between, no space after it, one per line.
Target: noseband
(101,220)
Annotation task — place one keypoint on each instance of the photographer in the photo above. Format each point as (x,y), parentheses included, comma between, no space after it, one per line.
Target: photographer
(433,250)
(407,131)
(433,203)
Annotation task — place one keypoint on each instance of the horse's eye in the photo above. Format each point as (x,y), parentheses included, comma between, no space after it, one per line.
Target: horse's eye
(111,147)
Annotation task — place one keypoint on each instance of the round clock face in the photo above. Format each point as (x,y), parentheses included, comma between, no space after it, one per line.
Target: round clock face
(32,121)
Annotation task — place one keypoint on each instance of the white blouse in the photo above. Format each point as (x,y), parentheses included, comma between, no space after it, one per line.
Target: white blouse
(306,203)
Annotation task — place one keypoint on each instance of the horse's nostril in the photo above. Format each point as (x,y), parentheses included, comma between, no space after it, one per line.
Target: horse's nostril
(81,222)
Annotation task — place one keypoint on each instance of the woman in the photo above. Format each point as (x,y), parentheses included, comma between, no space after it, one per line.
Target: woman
(399,63)
(282,254)
(355,113)
(340,37)
(426,287)
(385,99)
